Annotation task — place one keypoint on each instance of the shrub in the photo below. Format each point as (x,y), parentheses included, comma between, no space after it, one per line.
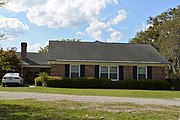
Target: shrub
(131,84)
(154,84)
(81,82)
(38,81)
(44,78)
(105,83)
(176,84)
(54,78)
(118,84)
(163,85)
(54,81)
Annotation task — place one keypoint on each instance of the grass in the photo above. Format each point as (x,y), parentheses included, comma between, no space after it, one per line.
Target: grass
(98,92)
(68,110)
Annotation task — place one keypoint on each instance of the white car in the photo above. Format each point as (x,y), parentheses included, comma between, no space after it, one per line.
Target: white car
(12,78)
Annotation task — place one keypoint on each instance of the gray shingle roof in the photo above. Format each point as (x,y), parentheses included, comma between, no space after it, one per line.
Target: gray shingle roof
(35,59)
(99,51)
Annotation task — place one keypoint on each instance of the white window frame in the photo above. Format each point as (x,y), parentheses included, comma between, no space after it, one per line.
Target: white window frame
(71,72)
(103,72)
(138,71)
(109,71)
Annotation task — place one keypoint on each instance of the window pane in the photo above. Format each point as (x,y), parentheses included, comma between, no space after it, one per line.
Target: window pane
(104,69)
(113,76)
(74,75)
(113,69)
(141,76)
(104,75)
(142,70)
(74,68)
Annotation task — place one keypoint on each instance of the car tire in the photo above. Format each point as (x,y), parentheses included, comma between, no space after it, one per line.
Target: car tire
(3,85)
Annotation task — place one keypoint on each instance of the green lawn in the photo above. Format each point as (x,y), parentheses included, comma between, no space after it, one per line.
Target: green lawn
(68,110)
(98,92)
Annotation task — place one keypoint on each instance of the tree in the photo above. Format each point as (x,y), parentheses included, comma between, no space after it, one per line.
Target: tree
(9,61)
(170,44)
(46,48)
(3,2)
(3,35)
(164,35)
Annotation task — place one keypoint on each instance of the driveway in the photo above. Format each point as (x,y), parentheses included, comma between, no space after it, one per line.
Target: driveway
(97,99)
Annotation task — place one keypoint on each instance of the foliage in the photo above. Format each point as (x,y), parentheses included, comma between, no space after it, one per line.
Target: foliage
(38,81)
(155,84)
(164,35)
(43,76)
(83,82)
(44,50)
(9,61)
(51,78)
(3,35)
(176,83)
(71,40)
(131,84)
(3,2)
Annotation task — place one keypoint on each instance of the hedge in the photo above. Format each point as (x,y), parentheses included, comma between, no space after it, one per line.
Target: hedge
(154,84)
(83,82)
(176,84)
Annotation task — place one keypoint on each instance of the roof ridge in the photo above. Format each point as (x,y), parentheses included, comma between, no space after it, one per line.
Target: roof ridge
(99,42)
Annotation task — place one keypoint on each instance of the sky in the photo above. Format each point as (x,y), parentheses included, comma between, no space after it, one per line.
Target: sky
(38,21)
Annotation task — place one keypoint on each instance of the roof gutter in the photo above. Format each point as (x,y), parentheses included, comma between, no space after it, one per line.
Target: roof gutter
(101,61)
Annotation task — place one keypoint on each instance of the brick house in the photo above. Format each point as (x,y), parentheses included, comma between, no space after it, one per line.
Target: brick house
(115,61)
(32,63)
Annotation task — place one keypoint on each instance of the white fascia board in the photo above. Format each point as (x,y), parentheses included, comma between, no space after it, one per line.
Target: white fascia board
(92,62)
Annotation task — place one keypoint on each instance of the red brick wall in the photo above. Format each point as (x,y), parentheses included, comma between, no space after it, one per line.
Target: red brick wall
(128,72)
(57,70)
(89,70)
(158,73)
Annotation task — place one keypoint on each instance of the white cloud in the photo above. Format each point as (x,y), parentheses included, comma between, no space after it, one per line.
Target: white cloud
(95,29)
(12,27)
(59,13)
(71,13)
(122,14)
(115,36)
(80,34)
(34,48)
(22,5)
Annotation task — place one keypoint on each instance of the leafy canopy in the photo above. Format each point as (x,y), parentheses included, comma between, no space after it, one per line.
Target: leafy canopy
(9,61)
(164,35)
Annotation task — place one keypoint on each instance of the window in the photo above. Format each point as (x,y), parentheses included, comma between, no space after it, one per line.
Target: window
(113,72)
(142,73)
(110,72)
(104,71)
(74,71)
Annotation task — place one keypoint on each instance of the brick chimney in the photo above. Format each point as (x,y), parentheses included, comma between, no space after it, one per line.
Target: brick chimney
(23,50)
